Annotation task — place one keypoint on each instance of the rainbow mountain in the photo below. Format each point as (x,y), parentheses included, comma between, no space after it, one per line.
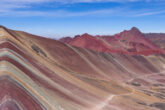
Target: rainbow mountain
(38,73)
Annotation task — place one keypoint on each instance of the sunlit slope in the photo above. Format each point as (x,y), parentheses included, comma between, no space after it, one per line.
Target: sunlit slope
(43,74)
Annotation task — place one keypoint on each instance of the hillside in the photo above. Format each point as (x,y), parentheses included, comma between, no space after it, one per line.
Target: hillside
(38,73)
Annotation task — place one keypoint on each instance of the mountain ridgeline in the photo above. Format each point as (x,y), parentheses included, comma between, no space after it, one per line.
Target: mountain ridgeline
(131,42)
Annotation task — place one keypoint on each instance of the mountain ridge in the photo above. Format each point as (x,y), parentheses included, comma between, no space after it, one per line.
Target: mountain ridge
(127,42)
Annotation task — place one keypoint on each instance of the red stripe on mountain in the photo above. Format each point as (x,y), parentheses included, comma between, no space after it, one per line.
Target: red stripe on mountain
(57,79)
(40,81)
(12,90)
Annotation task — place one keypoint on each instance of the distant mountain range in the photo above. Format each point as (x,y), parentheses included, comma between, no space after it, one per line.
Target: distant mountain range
(127,42)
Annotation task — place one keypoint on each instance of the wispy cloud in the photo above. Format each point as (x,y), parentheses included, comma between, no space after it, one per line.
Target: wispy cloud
(24,1)
(58,13)
(14,8)
(35,1)
(117,12)
(149,13)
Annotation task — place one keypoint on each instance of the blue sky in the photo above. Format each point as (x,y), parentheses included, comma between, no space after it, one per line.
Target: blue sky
(58,18)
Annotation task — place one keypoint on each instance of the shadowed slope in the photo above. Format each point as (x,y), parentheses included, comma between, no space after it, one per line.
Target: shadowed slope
(157,38)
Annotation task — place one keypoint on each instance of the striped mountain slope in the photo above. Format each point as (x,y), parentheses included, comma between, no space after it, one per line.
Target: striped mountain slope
(37,73)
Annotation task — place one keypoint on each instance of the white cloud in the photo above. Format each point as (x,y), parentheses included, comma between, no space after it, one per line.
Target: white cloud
(14,8)
(15,4)
(58,13)
(64,1)
(23,1)
(149,13)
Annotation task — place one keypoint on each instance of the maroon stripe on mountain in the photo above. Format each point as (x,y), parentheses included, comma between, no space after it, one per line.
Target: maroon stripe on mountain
(12,90)
(57,79)
(40,81)
(9,105)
